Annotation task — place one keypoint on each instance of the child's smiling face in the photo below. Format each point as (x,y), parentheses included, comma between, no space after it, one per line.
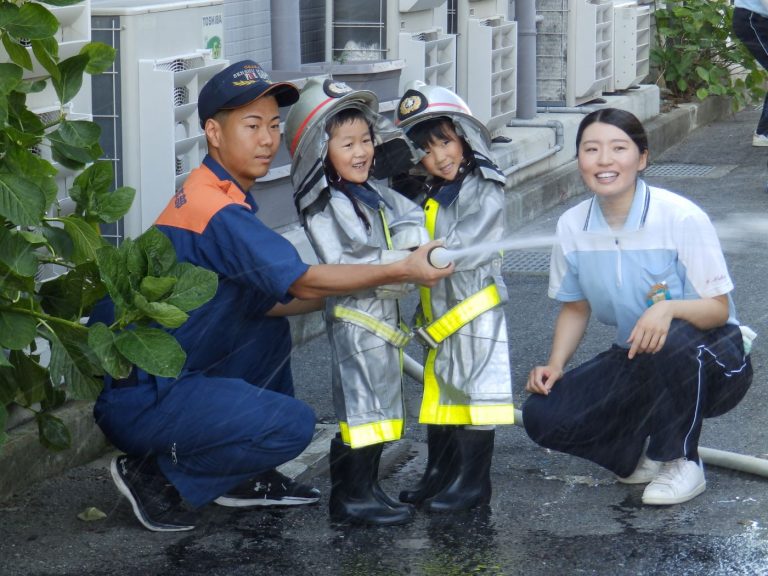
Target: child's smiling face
(444,155)
(350,150)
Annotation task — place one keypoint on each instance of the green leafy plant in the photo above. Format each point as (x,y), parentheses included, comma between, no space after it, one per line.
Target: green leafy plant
(55,265)
(697,55)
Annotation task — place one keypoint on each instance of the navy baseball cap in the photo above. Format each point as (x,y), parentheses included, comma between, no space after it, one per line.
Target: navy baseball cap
(240,84)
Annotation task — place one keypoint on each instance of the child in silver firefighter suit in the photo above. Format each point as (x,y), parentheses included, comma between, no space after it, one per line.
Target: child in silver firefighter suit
(333,133)
(467,378)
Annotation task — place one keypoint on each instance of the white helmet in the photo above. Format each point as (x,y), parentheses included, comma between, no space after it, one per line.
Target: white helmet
(307,139)
(423,101)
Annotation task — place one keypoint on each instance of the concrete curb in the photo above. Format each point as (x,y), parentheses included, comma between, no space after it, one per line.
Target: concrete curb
(24,461)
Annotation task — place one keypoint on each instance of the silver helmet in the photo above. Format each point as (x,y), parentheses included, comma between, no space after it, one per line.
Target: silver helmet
(423,101)
(307,139)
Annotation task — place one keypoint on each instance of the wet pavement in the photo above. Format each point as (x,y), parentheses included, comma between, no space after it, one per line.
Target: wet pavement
(550,514)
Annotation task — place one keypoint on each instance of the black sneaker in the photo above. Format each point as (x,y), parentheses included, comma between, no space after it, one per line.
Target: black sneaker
(269,489)
(156,503)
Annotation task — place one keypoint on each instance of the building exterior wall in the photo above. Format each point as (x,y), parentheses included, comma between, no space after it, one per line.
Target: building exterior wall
(247,32)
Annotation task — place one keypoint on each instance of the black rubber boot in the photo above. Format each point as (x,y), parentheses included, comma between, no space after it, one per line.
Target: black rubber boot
(470,486)
(353,500)
(440,452)
(378,491)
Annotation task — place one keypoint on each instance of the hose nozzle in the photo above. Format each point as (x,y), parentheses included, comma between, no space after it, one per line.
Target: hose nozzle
(440,257)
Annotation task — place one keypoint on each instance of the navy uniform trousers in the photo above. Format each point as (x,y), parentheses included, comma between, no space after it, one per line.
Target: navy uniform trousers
(605,409)
(212,430)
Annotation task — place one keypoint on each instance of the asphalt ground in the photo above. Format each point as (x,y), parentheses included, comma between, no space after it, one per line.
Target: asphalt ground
(550,513)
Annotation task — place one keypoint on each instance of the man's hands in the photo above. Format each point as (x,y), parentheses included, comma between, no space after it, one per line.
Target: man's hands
(420,271)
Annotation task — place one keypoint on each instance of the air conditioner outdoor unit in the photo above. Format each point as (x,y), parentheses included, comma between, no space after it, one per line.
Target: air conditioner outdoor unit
(492,73)
(574,51)
(172,141)
(430,55)
(152,31)
(631,44)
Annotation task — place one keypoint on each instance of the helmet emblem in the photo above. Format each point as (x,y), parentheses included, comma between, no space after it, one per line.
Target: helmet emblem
(409,105)
(336,89)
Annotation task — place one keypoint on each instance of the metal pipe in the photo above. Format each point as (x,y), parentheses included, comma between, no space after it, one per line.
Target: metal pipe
(525,14)
(285,28)
(567,109)
(720,458)
(556,125)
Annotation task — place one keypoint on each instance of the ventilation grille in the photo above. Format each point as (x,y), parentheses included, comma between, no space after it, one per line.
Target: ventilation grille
(180,96)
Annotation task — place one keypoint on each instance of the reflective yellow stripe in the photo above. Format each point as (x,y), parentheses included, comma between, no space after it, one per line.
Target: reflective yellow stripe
(463,313)
(388,333)
(387,237)
(372,433)
(433,412)
(430,217)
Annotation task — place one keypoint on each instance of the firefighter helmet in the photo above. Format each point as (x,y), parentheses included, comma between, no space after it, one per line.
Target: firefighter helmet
(307,139)
(424,101)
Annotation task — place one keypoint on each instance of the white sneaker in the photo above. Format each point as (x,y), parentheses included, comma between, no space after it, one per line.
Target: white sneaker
(645,471)
(678,481)
(759,139)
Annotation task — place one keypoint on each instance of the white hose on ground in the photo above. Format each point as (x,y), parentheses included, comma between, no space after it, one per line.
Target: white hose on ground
(721,458)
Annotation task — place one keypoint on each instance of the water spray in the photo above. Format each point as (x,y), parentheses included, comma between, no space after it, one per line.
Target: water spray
(735,231)
(441,257)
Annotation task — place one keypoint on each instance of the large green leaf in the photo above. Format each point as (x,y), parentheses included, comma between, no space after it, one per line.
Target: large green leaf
(59,241)
(152,350)
(165,314)
(85,239)
(69,295)
(30,376)
(75,143)
(16,330)
(12,286)
(17,253)
(135,260)
(8,12)
(100,57)
(21,200)
(112,268)
(25,127)
(102,342)
(46,50)
(18,53)
(70,80)
(114,205)
(32,21)
(195,286)
(154,288)
(10,76)
(91,181)
(31,86)
(35,169)
(73,364)
(158,250)
(53,433)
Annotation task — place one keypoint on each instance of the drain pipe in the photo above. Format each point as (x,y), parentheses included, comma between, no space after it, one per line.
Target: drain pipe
(285,29)
(525,14)
(556,125)
(567,109)
(721,458)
